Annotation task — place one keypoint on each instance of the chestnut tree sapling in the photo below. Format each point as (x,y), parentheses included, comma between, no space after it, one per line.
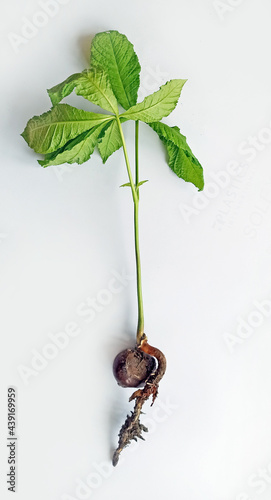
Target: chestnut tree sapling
(66,134)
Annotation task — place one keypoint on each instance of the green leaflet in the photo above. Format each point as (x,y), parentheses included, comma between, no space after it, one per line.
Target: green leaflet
(63,89)
(158,105)
(91,84)
(113,52)
(142,182)
(52,130)
(128,184)
(77,150)
(94,86)
(172,134)
(181,159)
(110,142)
(184,166)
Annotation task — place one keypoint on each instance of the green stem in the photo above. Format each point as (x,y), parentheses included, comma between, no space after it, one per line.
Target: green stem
(134,188)
(136,152)
(140,326)
(134,193)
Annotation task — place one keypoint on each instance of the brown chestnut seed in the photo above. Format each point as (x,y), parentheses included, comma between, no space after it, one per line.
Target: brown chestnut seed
(132,367)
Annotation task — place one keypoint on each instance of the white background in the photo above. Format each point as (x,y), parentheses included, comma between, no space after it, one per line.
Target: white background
(63,233)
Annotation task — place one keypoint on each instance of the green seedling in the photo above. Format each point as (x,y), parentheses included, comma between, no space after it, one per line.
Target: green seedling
(66,134)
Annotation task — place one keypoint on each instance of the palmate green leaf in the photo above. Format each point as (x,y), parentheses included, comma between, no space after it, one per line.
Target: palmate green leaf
(180,157)
(95,86)
(63,89)
(110,142)
(52,130)
(77,150)
(113,52)
(158,105)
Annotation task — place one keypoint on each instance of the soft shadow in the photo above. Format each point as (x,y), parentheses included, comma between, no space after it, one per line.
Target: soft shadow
(84,42)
